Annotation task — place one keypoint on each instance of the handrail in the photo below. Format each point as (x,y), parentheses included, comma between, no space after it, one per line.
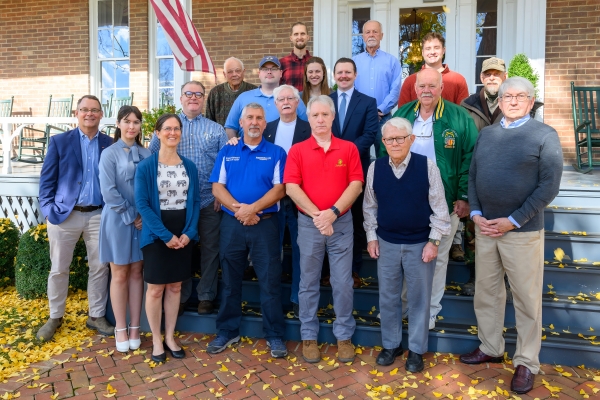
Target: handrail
(6,138)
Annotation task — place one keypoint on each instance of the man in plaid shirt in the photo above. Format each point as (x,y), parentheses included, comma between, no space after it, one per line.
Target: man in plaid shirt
(292,65)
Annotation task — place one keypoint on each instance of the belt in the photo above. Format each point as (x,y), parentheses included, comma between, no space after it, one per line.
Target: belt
(266,215)
(303,213)
(86,208)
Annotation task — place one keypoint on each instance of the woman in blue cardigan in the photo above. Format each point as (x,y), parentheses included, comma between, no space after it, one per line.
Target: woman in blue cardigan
(167,197)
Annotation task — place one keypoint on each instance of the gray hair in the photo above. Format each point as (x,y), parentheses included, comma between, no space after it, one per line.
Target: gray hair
(278,90)
(323,99)
(399,123)
(254,106)
(518,83)
(233,59)
(373,20)
(193,83)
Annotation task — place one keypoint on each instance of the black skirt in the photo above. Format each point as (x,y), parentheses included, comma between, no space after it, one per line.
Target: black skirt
(163,265)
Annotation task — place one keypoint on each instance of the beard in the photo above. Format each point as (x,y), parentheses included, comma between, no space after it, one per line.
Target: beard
(253,135)
(300,45)
(492,90)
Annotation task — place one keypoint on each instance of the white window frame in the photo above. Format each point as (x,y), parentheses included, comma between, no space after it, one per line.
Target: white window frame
(179,76)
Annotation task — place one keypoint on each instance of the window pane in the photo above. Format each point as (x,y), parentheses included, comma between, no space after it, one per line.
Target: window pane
(121,13)
(122,74)
(106,98)
(105,43)
(108,74)
(485,42)
(123,93)
(358,45)
(359,17)
(121,42)
(166,75)
(104,13)
(162,46)
(166,96)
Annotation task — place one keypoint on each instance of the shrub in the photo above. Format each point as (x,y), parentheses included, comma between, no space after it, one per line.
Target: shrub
(149,118)
(33,264)
(9,242)
(520,66)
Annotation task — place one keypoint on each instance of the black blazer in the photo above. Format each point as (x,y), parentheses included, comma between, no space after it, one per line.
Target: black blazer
(301,132)
(361,124)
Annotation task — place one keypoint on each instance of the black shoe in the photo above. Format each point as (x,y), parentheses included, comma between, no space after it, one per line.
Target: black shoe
(296,308)
(161,358)
(387,356)
(181,309)
(205,307)
(414,362)
(174,353)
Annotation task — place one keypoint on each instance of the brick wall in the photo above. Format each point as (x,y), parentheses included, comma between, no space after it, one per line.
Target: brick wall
(248,29)
(572,54)
(45,50)
(138,59)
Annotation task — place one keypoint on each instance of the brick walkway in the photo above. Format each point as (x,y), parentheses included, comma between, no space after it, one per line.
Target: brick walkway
(247,372)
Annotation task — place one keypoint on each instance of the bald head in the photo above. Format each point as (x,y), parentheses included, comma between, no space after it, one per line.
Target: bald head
(233,70)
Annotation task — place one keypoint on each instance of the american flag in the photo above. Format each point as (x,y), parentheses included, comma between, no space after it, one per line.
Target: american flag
(187,46)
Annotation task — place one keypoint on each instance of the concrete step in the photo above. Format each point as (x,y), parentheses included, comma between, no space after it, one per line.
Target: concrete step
(570,219)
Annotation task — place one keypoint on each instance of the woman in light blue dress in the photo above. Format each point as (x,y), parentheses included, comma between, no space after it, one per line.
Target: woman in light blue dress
(121,224)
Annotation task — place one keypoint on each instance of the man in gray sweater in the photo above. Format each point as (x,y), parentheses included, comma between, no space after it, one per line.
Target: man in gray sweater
(515,173)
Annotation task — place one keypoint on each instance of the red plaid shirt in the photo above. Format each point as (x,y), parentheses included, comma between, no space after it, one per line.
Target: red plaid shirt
(293,70)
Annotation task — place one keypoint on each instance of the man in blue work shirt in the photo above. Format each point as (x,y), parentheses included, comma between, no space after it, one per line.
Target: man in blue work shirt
(248,181)
(201,140)
(379,74)
(269,75)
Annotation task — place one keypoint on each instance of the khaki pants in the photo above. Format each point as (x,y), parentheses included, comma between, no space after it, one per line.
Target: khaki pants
(63,238)
(521,256)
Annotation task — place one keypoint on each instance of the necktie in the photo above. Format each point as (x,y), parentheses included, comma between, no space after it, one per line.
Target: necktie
(342,111)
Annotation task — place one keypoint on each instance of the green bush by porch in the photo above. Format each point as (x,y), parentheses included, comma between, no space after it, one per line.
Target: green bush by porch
(32,265)
(9,242)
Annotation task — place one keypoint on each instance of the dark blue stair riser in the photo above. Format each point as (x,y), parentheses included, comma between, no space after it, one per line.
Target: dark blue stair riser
(576,247)
(561,219)
(576,199)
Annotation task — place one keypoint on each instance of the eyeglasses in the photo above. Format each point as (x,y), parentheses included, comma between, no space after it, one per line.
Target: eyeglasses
(282,99)
(169,129)
(399,140)
(198,95)
(272,69)
(92,110)
(507,98)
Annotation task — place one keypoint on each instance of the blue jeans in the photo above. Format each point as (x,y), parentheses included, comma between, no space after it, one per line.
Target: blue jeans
(378,137)
(261,241)
(288,214)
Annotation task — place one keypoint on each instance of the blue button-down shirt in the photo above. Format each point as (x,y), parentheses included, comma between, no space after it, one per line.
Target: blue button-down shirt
(380,77)
(267,102)
(90,194)
(505,125)
(201,140)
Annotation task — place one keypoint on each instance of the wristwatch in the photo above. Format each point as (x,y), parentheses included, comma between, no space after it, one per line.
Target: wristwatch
(435,242)
(335,211)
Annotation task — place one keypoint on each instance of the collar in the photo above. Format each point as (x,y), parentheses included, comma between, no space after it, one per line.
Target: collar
(445,71)
(335,145)
(377,52)
(184,117)
(296,58)
(514,124)
(83,135)
(404,162)
(439,109)
(348,92)
(261,146)
(259,93)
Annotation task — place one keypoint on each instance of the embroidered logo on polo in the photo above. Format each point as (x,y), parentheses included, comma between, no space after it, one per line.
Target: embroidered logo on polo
(340,163)
(449,138)
(263,158)
(227,159)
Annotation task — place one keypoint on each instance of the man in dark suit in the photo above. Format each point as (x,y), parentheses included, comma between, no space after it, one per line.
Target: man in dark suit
(356,120)
(286,131)
(71,201)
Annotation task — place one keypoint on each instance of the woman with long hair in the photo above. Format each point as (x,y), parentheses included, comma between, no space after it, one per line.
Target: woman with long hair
(167,196)
(315,79)
(120,226)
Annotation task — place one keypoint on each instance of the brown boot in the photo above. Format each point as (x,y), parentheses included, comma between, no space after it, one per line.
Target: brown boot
(345,351)
(47,331)
(310,351)
(457,253)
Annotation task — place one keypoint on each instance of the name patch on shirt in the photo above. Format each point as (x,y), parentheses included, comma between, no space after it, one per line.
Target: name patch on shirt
(232,159)
(449,139)
(263,158)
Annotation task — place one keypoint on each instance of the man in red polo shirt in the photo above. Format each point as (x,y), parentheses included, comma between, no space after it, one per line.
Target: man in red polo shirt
(323,176)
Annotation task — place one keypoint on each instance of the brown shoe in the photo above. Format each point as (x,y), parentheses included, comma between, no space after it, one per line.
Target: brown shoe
(522,381)
(357,282)
(47,331)
(205,307)
(345,351)
(310,351)
(325,280)
(478,357)
(457,253)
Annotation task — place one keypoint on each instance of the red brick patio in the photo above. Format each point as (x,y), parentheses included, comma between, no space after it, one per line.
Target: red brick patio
(248,372)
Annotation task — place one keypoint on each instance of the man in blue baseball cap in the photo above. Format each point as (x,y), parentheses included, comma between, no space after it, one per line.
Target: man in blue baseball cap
(269,75)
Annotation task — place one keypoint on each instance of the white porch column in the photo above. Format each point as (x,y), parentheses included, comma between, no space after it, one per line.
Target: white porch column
(329,21)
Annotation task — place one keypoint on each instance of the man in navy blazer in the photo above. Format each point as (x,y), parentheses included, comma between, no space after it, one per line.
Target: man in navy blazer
(286,131)
(356,120)
(71,201)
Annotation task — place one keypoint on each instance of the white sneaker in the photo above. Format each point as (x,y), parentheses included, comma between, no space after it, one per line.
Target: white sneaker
(431,322)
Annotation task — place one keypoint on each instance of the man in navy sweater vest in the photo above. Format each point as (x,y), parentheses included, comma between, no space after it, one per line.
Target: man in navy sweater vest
(406,215)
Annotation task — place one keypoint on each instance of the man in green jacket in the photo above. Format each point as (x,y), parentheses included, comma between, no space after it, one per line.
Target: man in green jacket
(446,134)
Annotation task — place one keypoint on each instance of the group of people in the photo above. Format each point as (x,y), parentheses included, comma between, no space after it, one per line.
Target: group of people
(294,153)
